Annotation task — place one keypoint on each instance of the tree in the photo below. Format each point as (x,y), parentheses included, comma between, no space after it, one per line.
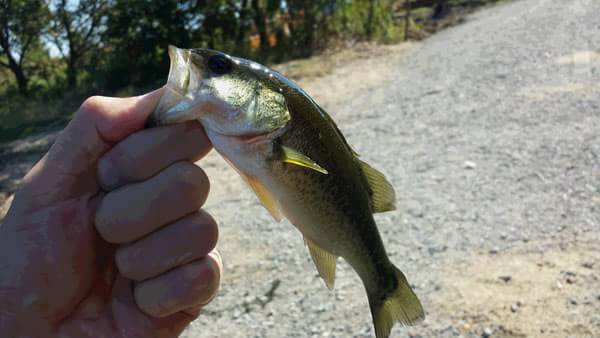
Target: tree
(76,31)
(21,24)
(137,36)
(261,27)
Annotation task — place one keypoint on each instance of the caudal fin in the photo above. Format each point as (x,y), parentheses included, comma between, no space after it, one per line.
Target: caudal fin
(397,305)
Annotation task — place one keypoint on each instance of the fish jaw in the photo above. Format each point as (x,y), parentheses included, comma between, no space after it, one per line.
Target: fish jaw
(174,105)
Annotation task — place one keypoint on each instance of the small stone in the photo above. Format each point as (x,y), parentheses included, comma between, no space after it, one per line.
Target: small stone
(487,332)
(559,285)
(514,308)
(493,251)
(470,165)
(570,280)
(572,301)
(588,265)
(506,278)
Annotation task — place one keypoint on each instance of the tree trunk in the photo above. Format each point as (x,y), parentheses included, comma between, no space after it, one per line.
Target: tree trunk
(14,66)
(309,28)
(22,80)
(241,32)
(261,26)
(71,73)
(370,15)
(407,20)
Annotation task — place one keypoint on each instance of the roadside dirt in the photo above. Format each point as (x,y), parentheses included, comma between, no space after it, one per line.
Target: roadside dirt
(536,289)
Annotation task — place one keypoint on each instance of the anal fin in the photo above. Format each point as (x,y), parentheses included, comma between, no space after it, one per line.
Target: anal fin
(325,262)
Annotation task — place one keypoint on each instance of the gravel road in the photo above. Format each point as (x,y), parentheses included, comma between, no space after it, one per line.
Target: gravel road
(490,133)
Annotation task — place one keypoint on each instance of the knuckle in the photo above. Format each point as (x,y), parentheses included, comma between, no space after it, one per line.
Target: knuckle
(91,105)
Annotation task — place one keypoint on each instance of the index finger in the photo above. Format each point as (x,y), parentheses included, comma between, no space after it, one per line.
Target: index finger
(145,153)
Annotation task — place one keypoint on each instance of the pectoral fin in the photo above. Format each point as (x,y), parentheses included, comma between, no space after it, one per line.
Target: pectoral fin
(383,197)
(324,261)
(265,198)
(294,157)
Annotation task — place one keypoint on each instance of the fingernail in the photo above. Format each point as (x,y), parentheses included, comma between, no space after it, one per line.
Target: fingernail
(107,175)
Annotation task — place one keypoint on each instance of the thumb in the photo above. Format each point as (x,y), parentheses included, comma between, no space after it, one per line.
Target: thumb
(69,167)
(101,122)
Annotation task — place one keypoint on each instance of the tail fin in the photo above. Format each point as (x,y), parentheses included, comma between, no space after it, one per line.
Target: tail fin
(397,305)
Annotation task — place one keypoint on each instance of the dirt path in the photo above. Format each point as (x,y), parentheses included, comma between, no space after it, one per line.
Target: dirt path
(490,133)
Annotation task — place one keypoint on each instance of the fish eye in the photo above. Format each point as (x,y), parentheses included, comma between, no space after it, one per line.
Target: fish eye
(219,64)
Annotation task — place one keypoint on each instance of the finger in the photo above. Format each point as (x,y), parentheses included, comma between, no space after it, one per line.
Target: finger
(138,209)
(188,286)
(99,122)
(145,153)
(130,321)
(188,239)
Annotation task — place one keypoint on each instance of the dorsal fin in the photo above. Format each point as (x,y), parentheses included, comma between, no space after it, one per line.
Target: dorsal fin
(383,197)
(325,262)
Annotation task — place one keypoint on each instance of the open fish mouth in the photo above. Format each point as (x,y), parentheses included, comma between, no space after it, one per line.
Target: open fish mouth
(175,101)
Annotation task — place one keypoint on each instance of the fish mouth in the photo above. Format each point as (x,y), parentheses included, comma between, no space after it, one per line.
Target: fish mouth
(185,73)
(176,87)
(250,138)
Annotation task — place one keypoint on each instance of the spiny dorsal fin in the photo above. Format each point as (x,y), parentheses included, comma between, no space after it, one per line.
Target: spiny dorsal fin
(383,197)
(294,157)
(265,197)
(324,261)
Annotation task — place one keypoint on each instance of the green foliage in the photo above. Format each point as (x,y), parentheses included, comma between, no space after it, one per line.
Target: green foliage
(21,24)
(136,39)
(60,51)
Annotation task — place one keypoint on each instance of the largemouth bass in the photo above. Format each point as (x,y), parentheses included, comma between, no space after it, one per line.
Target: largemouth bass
(299,164)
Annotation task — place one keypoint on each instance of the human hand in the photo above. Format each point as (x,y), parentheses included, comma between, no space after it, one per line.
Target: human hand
(104,237)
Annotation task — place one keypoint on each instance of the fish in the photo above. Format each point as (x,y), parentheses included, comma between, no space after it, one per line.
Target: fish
(299,164)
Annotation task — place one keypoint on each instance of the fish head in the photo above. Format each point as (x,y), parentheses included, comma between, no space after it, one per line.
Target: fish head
(228,95)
